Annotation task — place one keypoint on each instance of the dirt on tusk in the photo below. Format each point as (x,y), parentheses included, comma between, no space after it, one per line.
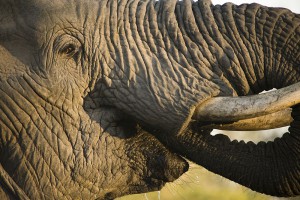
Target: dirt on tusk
(233,109)
(275,120)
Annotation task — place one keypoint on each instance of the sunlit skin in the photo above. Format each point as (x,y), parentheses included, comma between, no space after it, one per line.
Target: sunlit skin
(103,98)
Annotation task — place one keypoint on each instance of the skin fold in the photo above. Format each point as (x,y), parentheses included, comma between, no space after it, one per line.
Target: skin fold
(97,97)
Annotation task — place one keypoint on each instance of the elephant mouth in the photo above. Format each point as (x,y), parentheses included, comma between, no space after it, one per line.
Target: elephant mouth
(152,162)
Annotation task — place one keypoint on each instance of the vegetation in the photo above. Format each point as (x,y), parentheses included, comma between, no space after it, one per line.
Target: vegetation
(200,184)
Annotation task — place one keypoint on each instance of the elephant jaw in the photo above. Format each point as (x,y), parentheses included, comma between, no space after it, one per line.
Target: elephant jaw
(256,112)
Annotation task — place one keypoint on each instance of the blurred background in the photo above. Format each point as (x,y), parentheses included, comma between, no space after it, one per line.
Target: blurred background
(200,184)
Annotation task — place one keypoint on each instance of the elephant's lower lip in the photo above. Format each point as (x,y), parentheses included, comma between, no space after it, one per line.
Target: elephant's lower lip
(152,184)
(155,184)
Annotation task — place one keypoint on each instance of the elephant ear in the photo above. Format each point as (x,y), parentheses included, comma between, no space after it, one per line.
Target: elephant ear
(8,25)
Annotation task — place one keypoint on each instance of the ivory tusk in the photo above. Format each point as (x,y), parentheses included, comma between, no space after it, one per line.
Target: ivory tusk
(275,120)
(229,109)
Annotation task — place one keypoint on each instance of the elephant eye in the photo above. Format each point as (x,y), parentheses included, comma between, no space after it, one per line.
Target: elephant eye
(69,50)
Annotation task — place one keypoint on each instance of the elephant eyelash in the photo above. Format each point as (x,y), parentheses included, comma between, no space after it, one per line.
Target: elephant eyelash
(67,46)
(69,50)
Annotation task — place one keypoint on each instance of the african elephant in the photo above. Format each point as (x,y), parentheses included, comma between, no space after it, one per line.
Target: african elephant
(102,98)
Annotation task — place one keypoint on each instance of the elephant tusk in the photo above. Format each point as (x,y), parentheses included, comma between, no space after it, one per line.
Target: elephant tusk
(275,120)
(232,109)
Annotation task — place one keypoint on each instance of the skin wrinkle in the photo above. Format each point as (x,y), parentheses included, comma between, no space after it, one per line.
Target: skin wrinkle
(255,44)
(199,39)
(138,52)
(282,59)
(37,148)
(190,25)
(215,61)
(173,67)
(202,27)
(127,39)
(185,52)
(259,25)
(240,21)
(102,140)
(287,47)
(185,39)
(201,23)
(7,119)
(244,38)
(49,99)
(5,138)
(27,176)
(39,91)
(148,27)
(212,31)
(94,50)
(29,167)
(49,112)
(231,39)
(241,46)
(155,60)
(262,18)
(179,39)
(217,71)
(9,110)
(138,44)
(255,57)
(179,48)
(140,20)
(270,28)
(247,162)
(36,111)
(277,56)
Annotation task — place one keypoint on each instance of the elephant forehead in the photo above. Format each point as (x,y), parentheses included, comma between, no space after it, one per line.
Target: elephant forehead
(40,14)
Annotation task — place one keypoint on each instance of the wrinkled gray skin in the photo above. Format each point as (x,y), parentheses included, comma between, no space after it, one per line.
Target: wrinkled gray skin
(87,87)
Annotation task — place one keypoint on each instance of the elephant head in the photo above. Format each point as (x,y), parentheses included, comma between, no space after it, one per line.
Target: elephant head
(99,98)
(57,141)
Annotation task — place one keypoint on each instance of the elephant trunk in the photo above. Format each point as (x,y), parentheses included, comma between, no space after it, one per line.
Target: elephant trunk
(268,167)
(256,48)
(267,40)
(170,56)
(180,54)
(264,42)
